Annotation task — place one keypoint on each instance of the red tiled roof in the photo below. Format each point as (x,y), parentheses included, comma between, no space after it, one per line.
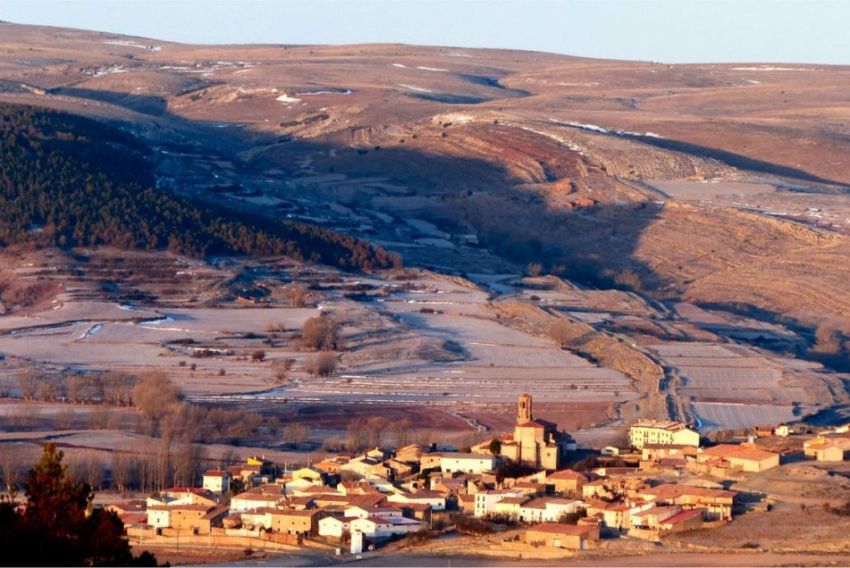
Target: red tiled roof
(673,462)
(135,518)
(567,474)
(300,500)
(330,498)
(366,500)
(744,452)
(319,489)
(425,494)
(680,517)
(669,490)
(215,512)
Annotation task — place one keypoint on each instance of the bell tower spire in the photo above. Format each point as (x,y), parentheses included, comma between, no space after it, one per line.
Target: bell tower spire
(523,413)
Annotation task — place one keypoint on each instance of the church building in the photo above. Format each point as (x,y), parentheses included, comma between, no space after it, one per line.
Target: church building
(536,443)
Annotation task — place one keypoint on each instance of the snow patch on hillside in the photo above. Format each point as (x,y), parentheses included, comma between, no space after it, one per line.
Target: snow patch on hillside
(415,88)
(286,99)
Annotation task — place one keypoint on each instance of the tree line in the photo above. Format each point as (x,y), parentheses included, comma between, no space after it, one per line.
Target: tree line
(71,181)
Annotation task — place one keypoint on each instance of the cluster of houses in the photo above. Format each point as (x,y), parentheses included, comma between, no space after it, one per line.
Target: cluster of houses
(379,495)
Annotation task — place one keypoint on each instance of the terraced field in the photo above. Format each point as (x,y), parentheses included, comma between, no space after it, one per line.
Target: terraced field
(733,386)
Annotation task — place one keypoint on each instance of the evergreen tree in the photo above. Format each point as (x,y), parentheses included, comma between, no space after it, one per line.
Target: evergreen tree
(57,526)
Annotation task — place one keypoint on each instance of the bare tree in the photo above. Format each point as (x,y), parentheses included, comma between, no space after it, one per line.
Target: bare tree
(148,467)
(425,437)
(122,467)
(323,364)
(319,333)
(84,389)
(375,427)
(629,279)
(562,332)
(13,461)
(163,463)
(23,422)
(118,388)
(156,396)
(47,390)
(186,460)
(228,458)
(88,467)
(401,430)
(356,435)
(295,295)
(296,434)
(74,386)
(65,419)
(28,383)
(99,418)
(94,389)
(281,368)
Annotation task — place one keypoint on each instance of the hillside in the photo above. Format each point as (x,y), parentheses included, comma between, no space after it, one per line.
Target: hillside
(678,181)
(71,181)
(682,228)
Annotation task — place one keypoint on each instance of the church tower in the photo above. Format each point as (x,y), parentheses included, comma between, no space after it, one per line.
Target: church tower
(523,413)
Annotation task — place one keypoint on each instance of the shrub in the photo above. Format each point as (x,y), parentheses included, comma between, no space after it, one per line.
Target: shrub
(323,364)
(841,510)
(562,332)
(319,333)
(156,396)
(628,279)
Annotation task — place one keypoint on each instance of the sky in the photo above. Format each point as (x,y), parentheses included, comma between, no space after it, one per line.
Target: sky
(670,31)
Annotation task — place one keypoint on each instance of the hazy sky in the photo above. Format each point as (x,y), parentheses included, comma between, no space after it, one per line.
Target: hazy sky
(814,31)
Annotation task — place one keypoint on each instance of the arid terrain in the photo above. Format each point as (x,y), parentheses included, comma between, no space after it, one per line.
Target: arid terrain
(685,228)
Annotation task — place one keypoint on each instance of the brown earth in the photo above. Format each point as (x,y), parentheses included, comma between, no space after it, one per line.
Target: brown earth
(490,142)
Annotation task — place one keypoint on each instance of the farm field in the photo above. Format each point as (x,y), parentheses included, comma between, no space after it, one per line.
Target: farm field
(736,387)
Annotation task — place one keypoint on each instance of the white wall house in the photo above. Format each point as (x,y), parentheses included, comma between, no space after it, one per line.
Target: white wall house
(251,501)
(437,501)
(380,527)
(467,463)
(159,517)
(545,510)
(216,481)
(485,501)
(335,526)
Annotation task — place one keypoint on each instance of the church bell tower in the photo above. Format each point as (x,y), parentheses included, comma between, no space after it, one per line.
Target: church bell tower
(523,413)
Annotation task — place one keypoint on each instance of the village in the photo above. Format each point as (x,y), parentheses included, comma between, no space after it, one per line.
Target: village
(667,482)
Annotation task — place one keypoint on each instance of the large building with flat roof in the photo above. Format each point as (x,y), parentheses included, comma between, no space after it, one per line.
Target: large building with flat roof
(662,432)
